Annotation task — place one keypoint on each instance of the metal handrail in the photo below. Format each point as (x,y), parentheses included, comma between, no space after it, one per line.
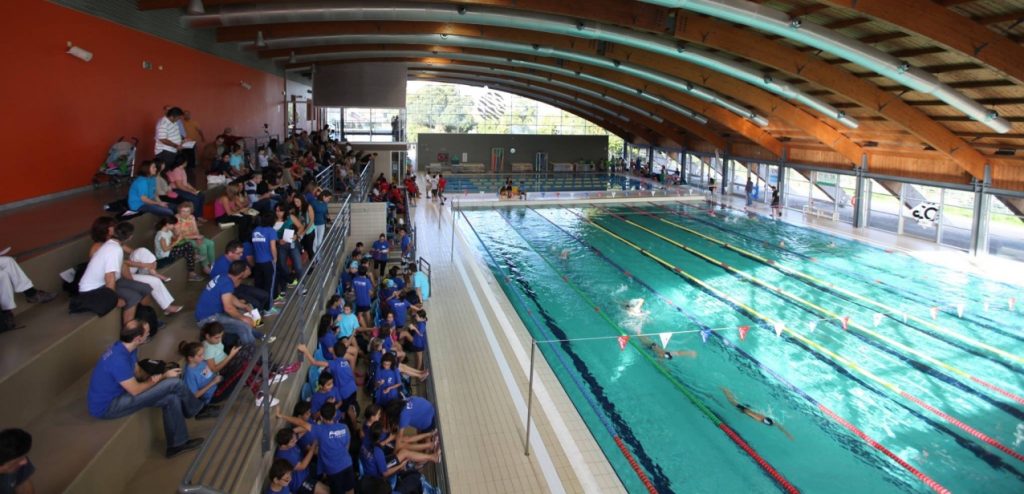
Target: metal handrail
(235,433)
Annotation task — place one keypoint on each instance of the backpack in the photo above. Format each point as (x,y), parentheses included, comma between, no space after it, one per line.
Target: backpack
(71,287)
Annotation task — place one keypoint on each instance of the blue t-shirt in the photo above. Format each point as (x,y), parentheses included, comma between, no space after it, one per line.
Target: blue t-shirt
(418,414)
(386,378)
(294,456)
(333,439)
(419,340)
(346,280)
(406,241)
(375,358)
(322,397)
(371,456)
(401,310)
(327,342)
(380,250)
(399,282)
(306,440)
(220,267)
(319,212)
(262,236)
(247,250)
(344,379)
(348,324)
(116,365)
(210,302)
(386,293)
(142,186)
(199,376)
(420,280)
(362,286)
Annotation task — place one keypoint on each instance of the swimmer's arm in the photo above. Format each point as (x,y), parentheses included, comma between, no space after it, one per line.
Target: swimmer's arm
(784,431)
(729,396)
(685,353)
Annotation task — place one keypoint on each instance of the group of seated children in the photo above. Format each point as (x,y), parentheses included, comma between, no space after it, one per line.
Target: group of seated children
(512,191)
(327,447)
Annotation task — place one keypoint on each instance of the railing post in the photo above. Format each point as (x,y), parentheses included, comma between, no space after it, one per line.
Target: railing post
(455,217)
(265,388)
(529,398)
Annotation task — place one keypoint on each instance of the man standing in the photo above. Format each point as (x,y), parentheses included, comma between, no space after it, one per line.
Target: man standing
(114,391)
(749,189)
(168,137)
(192,133)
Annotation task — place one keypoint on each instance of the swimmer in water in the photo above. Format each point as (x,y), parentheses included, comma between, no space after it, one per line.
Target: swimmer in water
(661,353)
(635,307)
(564,255)
(760,417)
(832,245)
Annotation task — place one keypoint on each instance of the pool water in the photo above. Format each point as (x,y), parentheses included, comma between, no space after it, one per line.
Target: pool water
(942,397)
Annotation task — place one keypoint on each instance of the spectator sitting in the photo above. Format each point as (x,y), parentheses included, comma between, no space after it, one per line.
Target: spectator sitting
(221,165)
(107,270)
(169,246)
(147,274)
(14,280)
(258,193)
(200,379)
(142,196)
(190,230)
(115,392)
(15,468)
(289,454)
(218,303)
(178,181)
(231,208)
(254,295)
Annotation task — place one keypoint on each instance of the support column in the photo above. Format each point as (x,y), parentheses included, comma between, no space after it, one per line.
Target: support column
(781,182)
(860,209)
(650,158)
(726,176)
(981,209)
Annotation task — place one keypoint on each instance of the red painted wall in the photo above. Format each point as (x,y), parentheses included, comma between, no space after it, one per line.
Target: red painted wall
(60,114)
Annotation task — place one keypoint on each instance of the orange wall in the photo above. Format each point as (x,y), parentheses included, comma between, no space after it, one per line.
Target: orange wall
(60,114)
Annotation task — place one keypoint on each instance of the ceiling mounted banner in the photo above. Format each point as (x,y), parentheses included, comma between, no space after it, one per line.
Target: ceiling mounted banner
(365,85)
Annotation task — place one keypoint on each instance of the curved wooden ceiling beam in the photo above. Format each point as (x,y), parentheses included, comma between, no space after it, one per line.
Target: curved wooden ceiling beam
(731,121)
(738,90)
(754,46)
(665,129)
(948,28)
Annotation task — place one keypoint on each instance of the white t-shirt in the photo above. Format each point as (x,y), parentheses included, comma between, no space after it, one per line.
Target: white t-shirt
(107,259)
(163,236)
(166,129)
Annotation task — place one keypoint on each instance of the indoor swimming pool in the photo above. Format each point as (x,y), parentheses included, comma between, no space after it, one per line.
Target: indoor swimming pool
(853,369)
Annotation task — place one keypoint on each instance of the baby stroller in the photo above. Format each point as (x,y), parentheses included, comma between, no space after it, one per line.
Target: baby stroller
(119,165)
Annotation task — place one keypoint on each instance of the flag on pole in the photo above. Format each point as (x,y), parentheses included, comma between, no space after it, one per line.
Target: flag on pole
(960,309)
(664,339)
(743,332)
(779,326)
(934,312)
(846,321)
(704,333)
(622,342)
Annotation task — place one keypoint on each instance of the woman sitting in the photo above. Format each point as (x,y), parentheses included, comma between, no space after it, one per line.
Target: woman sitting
(142,196)
(230,209)
(178,180)
(170,246)
(189,230)
(142,263)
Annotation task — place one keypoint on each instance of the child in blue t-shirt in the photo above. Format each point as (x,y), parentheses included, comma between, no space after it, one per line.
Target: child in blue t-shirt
(326,392)
(327,337)
(348,323)
(333,439)
(200,379)
(388,381)
(264,255)
(289,450)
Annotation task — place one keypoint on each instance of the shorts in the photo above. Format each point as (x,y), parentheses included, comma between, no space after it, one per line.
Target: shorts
(363,308)
(342,481)
(308,487)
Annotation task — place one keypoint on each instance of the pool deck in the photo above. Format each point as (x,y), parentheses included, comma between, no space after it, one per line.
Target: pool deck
(481,359)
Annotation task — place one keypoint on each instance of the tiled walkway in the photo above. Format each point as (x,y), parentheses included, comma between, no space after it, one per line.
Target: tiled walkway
(480,357)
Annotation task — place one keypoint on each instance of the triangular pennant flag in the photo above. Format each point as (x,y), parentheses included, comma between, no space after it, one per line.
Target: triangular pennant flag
(811,326)
(878,319)
(985,306)
(934,311)
(1012,302)
(704,333)
(960,309)
(743,332)
(622,342)
(846,321)
(664,339)
(904,314)
(778,328)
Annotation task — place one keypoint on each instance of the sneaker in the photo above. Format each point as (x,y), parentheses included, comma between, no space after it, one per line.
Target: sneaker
(269,339)
(272,312)
(41,297)
(278,379)
(293,284)
(291,368)
(188,446)
(279,302)
(195,277)
(259,401)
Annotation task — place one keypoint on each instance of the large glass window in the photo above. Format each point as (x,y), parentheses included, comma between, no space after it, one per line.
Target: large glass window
(1006,229)
(798,190)
(884,207)
(957,215)
(453,108)
(921,207)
